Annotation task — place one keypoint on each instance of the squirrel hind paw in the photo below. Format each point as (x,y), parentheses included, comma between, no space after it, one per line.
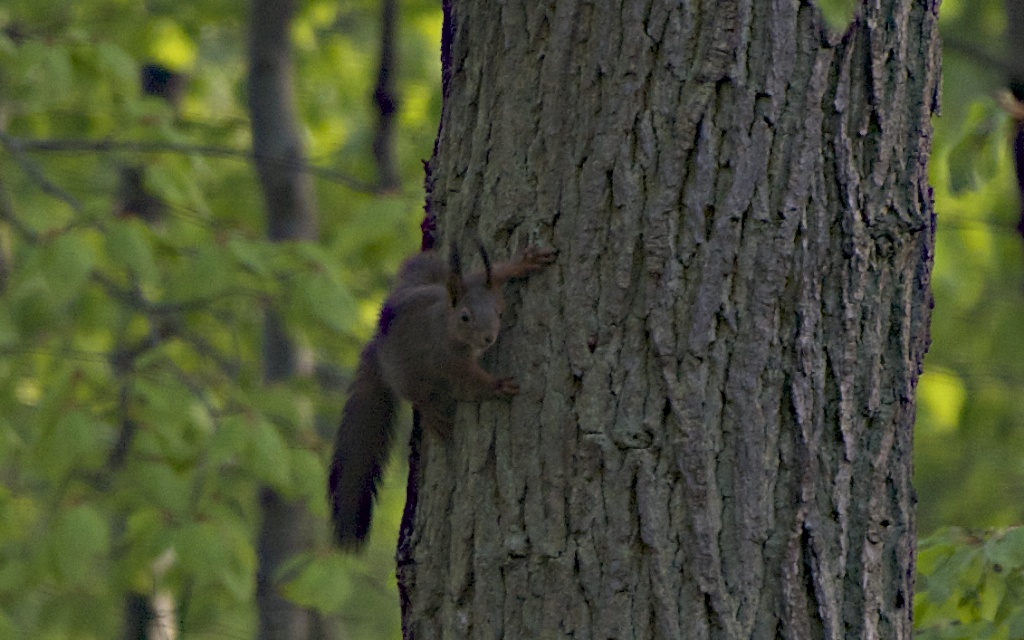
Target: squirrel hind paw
(506,387)
(439,423)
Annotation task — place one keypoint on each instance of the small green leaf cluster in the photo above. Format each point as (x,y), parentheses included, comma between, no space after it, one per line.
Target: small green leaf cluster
(970,586)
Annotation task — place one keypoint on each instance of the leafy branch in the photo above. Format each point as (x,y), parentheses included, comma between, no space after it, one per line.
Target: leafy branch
(15,146)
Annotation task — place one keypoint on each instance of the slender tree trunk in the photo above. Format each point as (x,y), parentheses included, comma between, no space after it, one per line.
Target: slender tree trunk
(385,99)
(1015,49)
(291,214)
(1015,45)
(713,438)
(138,616)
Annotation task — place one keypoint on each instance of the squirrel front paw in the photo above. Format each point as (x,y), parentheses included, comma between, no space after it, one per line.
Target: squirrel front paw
(506,387)
(538,258)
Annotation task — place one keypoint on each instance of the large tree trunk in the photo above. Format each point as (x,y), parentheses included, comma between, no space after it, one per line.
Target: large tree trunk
(287,526)
(713,438)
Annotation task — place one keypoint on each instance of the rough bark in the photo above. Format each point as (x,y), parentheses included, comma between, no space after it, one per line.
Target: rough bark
(713,438)
(279,154)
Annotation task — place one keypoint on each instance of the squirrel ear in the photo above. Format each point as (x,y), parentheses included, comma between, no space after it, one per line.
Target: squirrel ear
(488,280)
(455,285)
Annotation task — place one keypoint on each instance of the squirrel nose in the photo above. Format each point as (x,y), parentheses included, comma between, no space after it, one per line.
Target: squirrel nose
(488,339)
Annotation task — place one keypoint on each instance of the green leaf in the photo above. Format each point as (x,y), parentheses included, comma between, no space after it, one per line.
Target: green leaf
(167,410)
(118,62)
(19,515)
(837,13)
(239,576)
(279,403)
(59,385)
(8,630)
(48,66)
(146,536)
(129,247)
(230,441)
(991,595)
(167,183)
(240,580)
(8,328)
(973,160)
(217,553)
(1007,550)
(375,224)
(318,584)
(1015,621)
(942,394)
(268,455)
(214,268)
(963,567)
(32,306)
(201,550)
(14,574)
(161,486)
(171,45)
(930,555)
(308,475)
(68,265)
(974,591)
(322,297)
(255,256)
(79,537)
(76,440)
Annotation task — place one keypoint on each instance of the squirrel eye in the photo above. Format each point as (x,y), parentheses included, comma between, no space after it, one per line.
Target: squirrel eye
(464,316)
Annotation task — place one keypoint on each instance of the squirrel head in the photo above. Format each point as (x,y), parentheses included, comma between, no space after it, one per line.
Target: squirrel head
(474,316)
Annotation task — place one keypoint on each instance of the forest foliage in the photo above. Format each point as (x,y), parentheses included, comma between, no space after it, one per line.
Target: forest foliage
(135,422)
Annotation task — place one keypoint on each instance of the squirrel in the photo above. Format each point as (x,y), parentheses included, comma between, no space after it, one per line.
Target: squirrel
(433,327)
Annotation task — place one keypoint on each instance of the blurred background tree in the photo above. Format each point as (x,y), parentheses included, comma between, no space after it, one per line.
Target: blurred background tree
(135,422)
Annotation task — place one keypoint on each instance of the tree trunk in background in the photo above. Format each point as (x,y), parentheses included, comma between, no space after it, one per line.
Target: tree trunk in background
(287,527)
(1015,49)
(385,99)
(1015,44)
(713,438)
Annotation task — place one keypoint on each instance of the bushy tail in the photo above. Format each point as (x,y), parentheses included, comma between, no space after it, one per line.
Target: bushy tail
(361,451)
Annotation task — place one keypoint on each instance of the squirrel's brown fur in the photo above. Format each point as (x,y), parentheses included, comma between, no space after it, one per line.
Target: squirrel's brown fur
(433,327)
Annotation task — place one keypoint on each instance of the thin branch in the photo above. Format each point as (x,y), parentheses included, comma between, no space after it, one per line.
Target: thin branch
(61,353)
(16,148)
(7,213)
(230,368)
(135,299)
(85,145)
